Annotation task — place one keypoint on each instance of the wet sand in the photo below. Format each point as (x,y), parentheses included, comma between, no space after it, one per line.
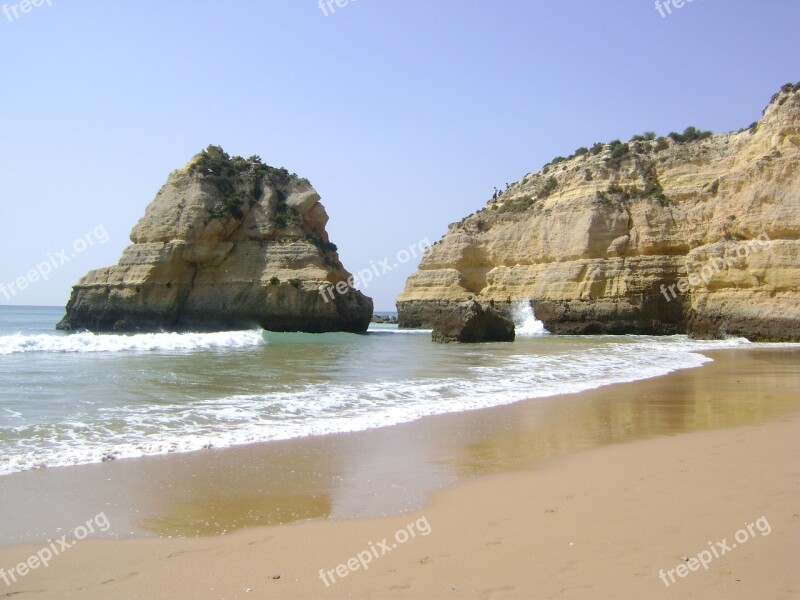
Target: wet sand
(557,472)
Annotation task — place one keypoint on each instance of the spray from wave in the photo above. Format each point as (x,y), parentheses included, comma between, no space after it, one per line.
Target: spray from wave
(525,322)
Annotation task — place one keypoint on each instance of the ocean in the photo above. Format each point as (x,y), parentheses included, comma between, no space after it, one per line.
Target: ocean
(71,399)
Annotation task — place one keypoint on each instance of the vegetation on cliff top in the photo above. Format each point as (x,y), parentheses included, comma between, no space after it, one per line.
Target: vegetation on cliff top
(640,144)
(642,147)
(783,95)
(690,134)
(215,164)
(240,182)
(523,203)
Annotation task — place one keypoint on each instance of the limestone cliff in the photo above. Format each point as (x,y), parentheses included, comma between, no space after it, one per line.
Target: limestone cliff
(227,243)
(693,233)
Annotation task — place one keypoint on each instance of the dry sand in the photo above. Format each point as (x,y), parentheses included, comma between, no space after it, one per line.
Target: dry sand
(597,523)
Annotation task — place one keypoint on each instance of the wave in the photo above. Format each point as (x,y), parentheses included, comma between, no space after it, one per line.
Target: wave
(525,321)
(393,329)
(140,342)
(325,407)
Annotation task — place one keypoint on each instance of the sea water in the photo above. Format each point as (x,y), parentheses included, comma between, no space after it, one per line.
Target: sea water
(70,399)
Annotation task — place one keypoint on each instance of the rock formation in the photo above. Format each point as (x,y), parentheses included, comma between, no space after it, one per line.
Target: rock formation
(470,322)
(694,232)
(227,243)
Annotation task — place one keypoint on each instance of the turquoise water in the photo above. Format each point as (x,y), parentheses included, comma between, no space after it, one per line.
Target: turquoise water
(68,399)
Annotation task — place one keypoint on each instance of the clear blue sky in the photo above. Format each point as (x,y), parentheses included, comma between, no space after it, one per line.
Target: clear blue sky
(403,114)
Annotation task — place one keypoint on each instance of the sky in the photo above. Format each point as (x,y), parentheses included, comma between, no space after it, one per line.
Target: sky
(404,115)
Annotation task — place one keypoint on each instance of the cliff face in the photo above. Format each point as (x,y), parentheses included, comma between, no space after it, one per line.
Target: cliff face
(694,233)
(227,243)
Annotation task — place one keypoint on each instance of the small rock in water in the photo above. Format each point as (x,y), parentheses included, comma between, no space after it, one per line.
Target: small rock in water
(472,322)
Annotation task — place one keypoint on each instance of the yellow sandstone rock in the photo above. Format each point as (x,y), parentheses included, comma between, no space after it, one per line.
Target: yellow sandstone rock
(697,233)
(227,243)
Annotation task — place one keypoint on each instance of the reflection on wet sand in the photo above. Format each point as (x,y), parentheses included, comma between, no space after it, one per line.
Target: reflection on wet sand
(389,470)
(739,388)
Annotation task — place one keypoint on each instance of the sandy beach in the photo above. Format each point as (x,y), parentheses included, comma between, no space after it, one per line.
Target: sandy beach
(685,486)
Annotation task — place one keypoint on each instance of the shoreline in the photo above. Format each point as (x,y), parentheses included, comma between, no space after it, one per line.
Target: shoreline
(597,521)
(387,470)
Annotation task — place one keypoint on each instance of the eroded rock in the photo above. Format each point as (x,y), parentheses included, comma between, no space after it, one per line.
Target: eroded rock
(471,323)
(695,233)
(227,243)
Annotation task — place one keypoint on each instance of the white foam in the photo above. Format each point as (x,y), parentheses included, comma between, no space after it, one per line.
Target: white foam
(305,409)
(525,322)
(142,342)
(395,329)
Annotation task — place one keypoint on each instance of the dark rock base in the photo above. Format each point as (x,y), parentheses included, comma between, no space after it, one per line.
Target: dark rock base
(471,323)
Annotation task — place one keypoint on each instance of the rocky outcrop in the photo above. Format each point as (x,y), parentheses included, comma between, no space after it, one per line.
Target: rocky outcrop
(472,323)
(693,233)
(384,320)
(228,243)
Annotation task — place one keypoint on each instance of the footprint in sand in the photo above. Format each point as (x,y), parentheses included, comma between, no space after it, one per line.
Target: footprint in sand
(397,588)
(497,592)
(123,578)
(497,542)
(182,552)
